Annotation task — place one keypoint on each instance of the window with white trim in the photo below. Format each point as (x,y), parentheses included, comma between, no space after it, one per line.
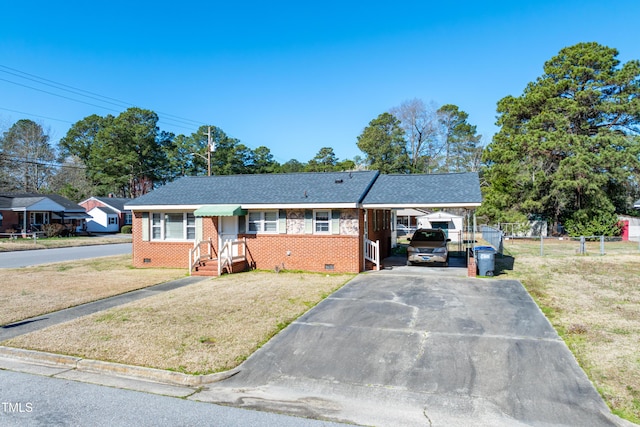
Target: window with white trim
(156,226)
(39,218)
(191,226)
(262,222)
(173,226)
(127,218)
(322,221)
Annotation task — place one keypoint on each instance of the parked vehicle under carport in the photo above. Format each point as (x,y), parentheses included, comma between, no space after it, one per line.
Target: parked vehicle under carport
(427,246)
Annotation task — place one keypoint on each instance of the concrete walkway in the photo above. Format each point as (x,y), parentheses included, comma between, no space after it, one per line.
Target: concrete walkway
(35,323)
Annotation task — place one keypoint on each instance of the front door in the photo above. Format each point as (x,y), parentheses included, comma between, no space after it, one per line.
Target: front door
(228,232)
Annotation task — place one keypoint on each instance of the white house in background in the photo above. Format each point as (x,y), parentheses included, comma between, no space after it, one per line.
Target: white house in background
(108,214)
(452,224)
(409,217)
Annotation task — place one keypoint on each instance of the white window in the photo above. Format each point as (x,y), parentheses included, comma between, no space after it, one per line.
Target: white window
(262,222)
(39,218)
(322,222)
(191,226)
(156,226)
(173,226)
(127,218)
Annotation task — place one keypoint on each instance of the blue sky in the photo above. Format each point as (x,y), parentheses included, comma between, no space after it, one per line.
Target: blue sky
(292,76)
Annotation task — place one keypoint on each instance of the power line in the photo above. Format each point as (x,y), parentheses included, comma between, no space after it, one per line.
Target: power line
(35,115)
(42,163)
(76,90)
(177,120)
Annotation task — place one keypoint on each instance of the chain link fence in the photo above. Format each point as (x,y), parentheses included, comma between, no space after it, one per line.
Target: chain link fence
(558,246)
(571,246)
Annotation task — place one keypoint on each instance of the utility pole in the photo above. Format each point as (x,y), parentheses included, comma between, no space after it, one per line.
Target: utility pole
(210,148)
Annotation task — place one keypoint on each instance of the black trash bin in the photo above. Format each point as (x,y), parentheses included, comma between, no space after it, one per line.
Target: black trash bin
(485,260)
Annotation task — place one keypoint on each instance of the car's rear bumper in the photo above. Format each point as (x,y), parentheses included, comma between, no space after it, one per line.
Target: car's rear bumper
(427,258)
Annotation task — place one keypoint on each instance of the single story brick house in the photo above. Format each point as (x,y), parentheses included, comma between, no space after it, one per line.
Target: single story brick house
(27,212)
(108,214)
(329,221)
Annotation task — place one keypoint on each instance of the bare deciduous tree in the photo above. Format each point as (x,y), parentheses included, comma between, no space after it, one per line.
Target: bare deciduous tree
(420,125)
(28,156)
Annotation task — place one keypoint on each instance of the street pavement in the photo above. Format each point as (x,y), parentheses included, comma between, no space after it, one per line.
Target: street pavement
(17,259)
(33,400)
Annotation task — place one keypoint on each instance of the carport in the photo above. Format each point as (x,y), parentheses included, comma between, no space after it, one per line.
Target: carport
(459,191)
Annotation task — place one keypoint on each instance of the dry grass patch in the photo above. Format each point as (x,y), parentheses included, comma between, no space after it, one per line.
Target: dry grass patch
(206,327)
(594,304)
(42,289)
(10,245)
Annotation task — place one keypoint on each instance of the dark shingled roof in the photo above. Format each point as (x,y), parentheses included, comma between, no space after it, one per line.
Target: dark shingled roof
(107,210)
(114,202)
(454,188)
(293,188)
(24,200)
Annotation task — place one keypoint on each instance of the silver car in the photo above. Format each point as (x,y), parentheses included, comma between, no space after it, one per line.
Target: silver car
(428,245)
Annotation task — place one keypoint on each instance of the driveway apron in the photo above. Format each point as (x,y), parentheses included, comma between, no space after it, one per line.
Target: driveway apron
(409,348)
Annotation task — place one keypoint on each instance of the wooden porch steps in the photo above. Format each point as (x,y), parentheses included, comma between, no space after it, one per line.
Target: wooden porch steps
(206,268)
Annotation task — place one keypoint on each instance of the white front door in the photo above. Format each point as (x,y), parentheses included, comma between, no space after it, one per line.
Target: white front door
(228,232)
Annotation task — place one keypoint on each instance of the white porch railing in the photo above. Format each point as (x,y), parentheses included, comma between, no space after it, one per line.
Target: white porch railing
(372,252)
(196,254)
(232,251)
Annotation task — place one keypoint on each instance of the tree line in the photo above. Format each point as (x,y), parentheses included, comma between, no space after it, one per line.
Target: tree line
(567,149)
(128,155)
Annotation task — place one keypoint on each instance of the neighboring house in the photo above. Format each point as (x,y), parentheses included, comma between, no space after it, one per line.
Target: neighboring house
(452,224)
(409,217)
(108,214)
(301,221)
(27,212)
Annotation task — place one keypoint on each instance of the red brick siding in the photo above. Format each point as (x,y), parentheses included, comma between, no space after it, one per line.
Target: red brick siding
(10,220)
(308,252)
(90,204)
(165,253)
(380,229)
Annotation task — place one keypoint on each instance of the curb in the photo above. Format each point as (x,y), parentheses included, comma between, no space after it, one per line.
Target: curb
(116,369)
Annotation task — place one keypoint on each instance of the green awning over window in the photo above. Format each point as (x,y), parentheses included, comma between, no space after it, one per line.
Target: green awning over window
(220,210)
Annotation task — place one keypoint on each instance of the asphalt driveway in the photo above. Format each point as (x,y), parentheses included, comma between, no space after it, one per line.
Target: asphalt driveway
(402,347)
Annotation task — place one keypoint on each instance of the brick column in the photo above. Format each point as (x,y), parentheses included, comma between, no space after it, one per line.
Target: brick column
(471,266)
